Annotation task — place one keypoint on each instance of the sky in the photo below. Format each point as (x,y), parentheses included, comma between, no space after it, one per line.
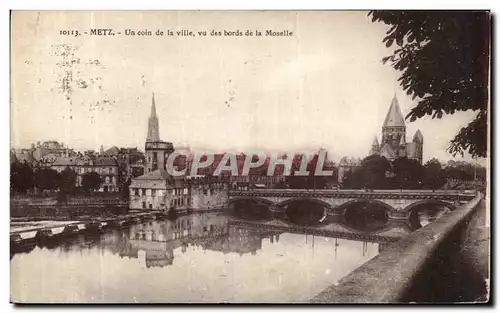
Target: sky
(324,86)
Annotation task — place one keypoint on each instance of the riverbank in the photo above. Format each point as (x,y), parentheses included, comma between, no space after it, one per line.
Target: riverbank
(427,266)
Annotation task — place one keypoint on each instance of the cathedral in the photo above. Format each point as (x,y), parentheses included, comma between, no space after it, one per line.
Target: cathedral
(394,144)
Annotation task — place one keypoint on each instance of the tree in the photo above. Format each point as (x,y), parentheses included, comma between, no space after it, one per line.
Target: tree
(444,60)
(67,180)
(372,173)
(21,177)
(409,174)
(353,179)
(125,192)
(46,179)
(374,169)
(435,176)
(91,181)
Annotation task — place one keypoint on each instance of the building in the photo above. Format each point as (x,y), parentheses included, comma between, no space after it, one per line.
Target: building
(106,167)
(43,154)
(393,144)
(26,156)
(158,190)
(157,151)
(130,162)
(51,148)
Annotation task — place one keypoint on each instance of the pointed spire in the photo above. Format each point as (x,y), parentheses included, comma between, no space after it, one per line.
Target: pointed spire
(153,126)
(375,146)
(394,117)
(418,136)
(402,141)
(153,107)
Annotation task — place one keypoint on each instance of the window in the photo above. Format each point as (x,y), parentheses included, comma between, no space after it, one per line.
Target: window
(153,192)
(143,192)
(136,191)
(150,206)
(110,170)
(143,204)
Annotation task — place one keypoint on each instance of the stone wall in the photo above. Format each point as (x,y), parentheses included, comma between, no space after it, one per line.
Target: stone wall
(425,266)
(206,198)
(51,207)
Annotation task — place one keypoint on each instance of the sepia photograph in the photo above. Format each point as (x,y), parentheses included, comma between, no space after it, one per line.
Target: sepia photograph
(250,157)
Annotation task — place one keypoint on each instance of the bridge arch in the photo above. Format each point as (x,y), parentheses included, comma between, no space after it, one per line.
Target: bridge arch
(409,208)
(365,215)
(296,214)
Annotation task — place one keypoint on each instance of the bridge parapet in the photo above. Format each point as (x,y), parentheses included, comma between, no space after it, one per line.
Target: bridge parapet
(446,195)
(395,274)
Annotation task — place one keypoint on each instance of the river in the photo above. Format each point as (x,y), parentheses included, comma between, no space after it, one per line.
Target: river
(196,258)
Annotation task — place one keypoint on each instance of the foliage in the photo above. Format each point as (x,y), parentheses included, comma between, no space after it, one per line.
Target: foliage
(311,181)
(125,192)
(409,174)
(376,172)
(46,179)
(21,177)
(375,169)
(91,181)
(444,60)
(435,176)
(353,179)
(67,180)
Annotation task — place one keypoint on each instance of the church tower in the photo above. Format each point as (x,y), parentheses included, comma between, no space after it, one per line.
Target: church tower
(153,127)
(402,147)
(157,151)
(394,128)
(418,140)
(375,147)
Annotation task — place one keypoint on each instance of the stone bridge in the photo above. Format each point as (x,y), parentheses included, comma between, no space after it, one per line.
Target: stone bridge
(399,203)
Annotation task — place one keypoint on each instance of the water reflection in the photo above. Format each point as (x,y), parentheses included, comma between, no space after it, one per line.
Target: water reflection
(158,240)
(366,216)
(305,212)
(197,258)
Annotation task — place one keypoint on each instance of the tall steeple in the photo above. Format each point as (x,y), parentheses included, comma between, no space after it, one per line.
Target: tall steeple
(394,117)
(153,127)
(394,128)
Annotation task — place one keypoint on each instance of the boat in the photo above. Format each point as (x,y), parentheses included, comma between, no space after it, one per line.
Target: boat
(16,239)
(71,229)
(95,226)
(44,235)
